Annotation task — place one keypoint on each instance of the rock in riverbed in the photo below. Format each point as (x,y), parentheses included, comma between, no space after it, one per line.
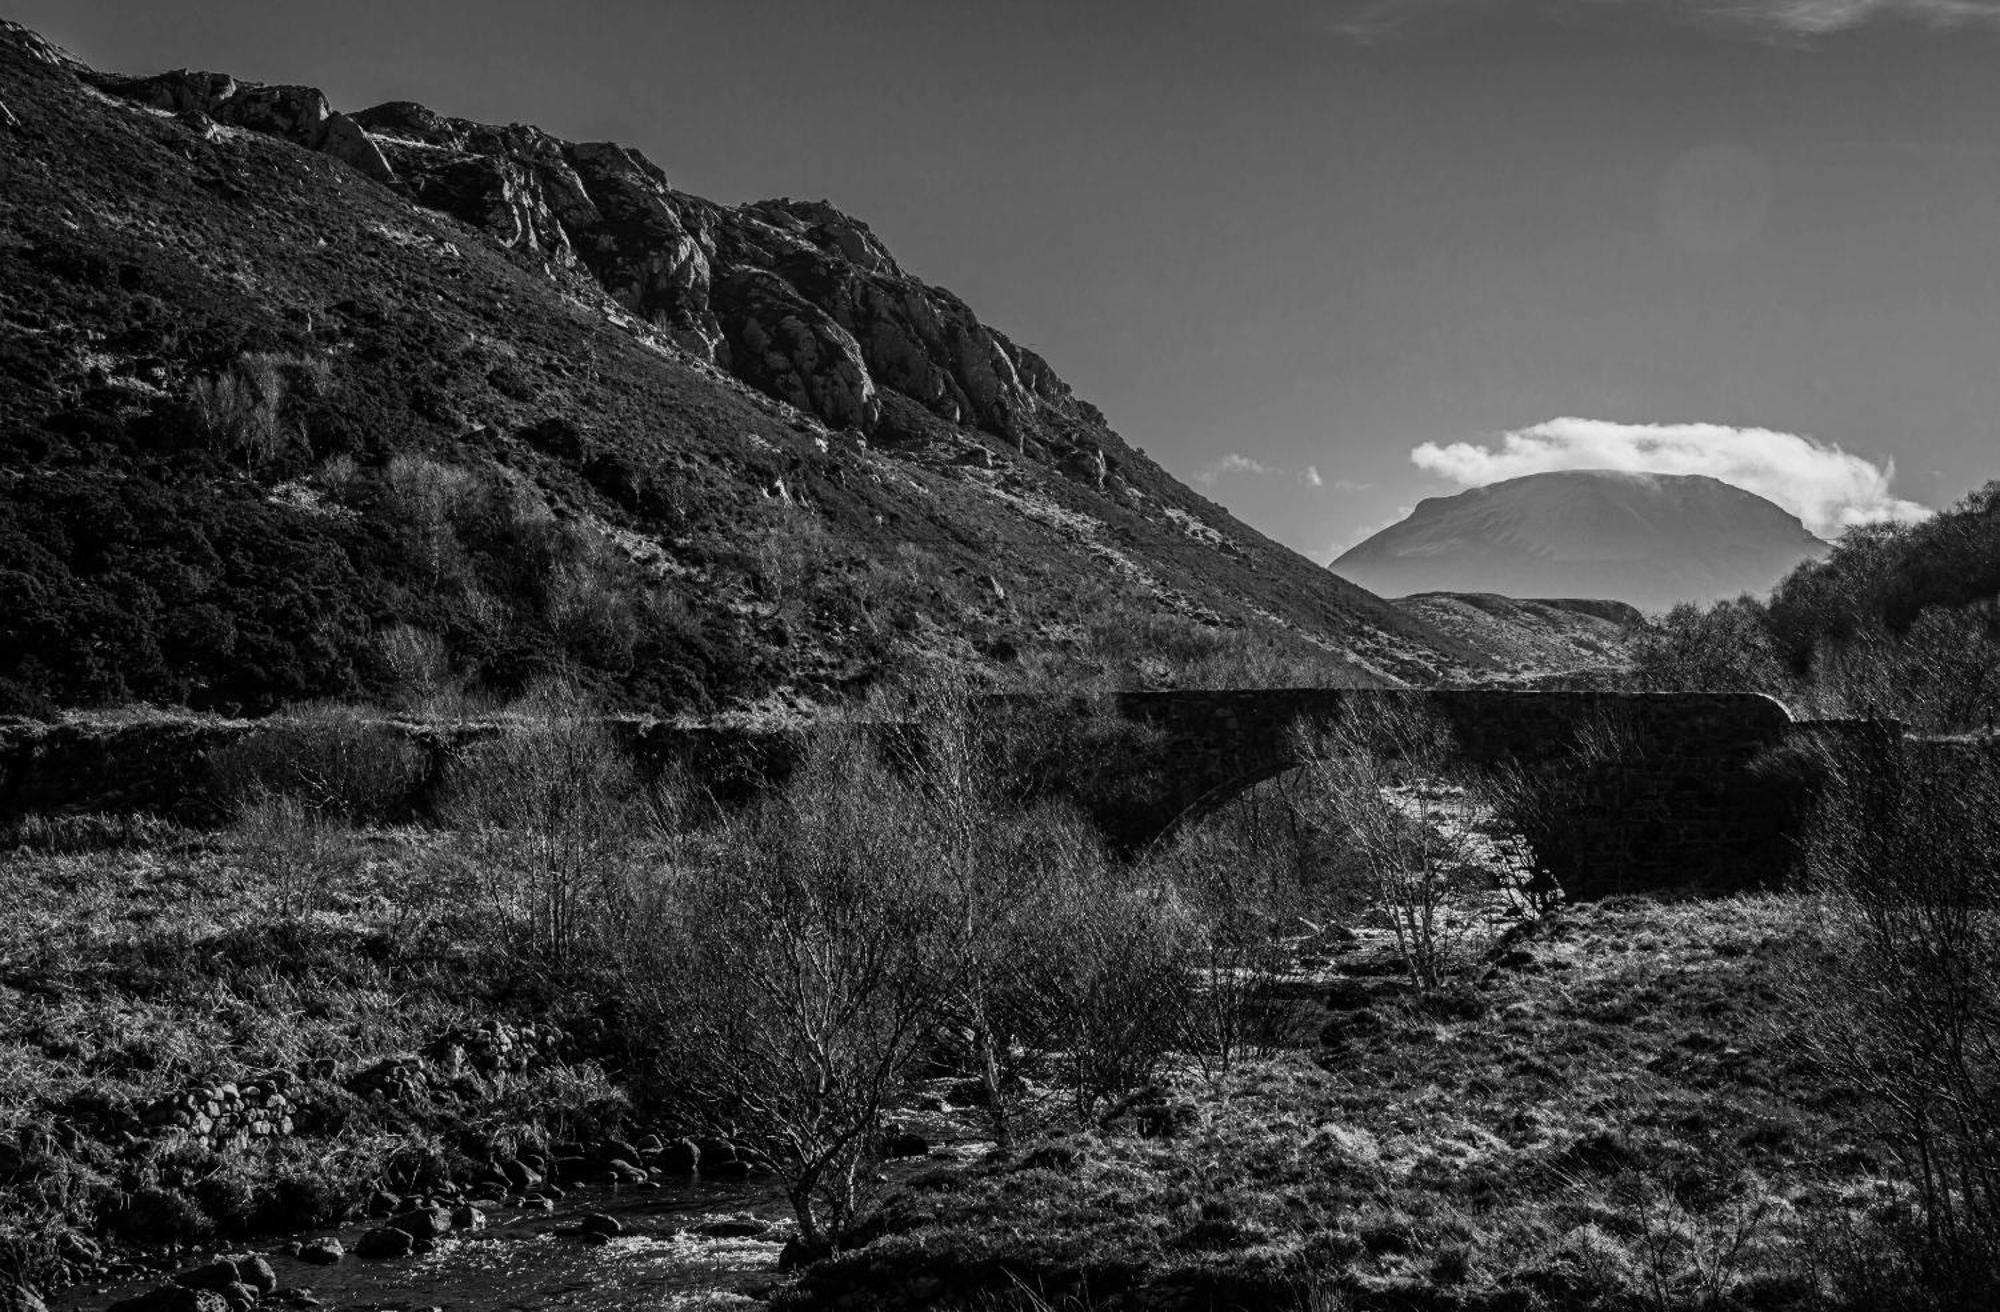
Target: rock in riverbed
(385,1241)
(173,1298)
(322,1252)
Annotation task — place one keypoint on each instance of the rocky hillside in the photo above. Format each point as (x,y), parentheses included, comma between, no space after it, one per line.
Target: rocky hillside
(1652,540)
(300,403)
(1535,635)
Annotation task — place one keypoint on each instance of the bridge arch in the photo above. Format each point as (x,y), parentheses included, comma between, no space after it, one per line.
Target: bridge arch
(1685,797)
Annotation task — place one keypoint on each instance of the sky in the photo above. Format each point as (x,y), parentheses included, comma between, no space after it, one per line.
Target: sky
(1322,258)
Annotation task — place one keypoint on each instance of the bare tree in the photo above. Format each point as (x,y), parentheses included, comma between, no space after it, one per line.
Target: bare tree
(550,804)
(1898,988)
(786,989)
(1385,773)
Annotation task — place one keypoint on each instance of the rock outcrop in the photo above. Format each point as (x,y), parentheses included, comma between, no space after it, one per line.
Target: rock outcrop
(794,297)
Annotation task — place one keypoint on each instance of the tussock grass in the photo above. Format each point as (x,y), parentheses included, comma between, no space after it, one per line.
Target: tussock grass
(1624,1122)
(129,975)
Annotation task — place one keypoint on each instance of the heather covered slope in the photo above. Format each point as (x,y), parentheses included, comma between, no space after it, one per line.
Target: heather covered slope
(1653,540)
(276,423)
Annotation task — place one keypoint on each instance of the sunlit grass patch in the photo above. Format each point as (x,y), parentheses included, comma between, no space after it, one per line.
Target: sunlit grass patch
(1622,1124)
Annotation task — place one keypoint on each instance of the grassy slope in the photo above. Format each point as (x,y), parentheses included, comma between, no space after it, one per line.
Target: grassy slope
(136,257)
(1621,1124)
(1533,636)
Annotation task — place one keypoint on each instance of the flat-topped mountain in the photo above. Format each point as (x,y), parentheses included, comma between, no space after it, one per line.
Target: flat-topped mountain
(1648,539)
(299,403)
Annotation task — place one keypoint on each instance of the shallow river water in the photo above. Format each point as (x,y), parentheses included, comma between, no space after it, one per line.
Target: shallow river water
(519,1263)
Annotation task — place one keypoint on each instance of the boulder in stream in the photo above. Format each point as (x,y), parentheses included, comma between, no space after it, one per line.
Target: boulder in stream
(385,1241)
(173,1298)
(322,1252)
(597,1223)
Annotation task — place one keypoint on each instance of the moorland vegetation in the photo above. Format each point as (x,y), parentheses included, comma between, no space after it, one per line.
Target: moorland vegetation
(1334,1048)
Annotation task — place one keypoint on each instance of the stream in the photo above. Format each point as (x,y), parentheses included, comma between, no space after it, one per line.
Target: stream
(519,1263)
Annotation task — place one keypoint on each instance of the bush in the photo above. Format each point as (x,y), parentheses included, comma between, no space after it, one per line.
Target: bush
(336,762)
(551,805)
(1899,992)
(300,852)
(243,411)
(1126,989)
(1244,886)
(784,989)
(1386,776)
(1725,648)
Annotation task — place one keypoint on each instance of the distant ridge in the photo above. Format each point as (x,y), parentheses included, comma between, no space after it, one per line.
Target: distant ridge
(1652,540)
(1535,635)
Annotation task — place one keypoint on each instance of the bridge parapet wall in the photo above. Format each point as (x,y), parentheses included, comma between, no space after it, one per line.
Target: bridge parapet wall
(167,765)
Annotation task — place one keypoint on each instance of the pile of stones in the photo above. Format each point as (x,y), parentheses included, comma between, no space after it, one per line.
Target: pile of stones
(229,1113)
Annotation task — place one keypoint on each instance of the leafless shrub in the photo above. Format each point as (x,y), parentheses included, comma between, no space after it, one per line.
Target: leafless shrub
(1690,1259)
(787,989)
(424,495)
(241,411)
(1940,675)
(338,762)
(1899,991)
(339,475)
(550,806)
(1006,871)
(299,853)
(1244,897)
(1127,992)
(1383,775)
(417,659)
(586,606)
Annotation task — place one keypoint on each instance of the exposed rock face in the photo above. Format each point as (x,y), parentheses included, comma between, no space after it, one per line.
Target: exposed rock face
(41,49)
(794,297)
(346,141)
(783,343)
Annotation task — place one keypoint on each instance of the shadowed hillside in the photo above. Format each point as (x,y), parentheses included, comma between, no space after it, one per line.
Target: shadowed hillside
(297,404)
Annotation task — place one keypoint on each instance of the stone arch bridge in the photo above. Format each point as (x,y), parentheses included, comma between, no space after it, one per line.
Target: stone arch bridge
(1699,787)
(1700,792)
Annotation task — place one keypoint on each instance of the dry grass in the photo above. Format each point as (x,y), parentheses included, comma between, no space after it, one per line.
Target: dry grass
(134,974)
(1617,1118)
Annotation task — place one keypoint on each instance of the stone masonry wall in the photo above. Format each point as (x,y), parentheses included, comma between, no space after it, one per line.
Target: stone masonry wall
(167,765)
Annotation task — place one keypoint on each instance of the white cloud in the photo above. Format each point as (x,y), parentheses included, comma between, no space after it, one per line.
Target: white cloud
(1815,17)
(1826,487)
(1373,20)
(1237,463)
(1233,463)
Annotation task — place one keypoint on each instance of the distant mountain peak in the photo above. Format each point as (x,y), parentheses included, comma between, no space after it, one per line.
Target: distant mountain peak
(1651,539)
